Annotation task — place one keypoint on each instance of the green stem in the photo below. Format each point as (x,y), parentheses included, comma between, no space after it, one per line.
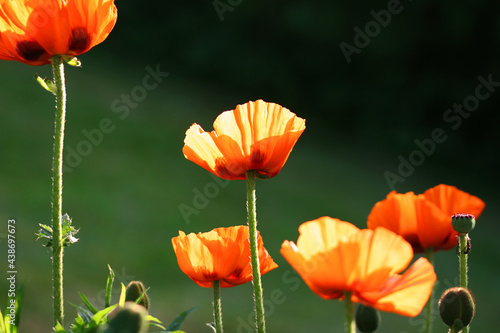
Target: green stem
(462,245)
(429,254)
(350,324)
(217,306)
(57,165)
(254,252)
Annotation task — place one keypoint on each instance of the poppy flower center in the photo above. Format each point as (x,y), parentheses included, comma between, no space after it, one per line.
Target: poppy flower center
(30,50)
(79,40)
(257,159)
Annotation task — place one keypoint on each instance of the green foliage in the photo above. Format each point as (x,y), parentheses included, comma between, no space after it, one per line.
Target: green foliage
(92,320)
(68,232)
(10,321)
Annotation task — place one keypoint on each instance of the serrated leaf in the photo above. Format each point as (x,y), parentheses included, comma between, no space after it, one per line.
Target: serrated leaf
(87,303)
(68,231)
(176,324)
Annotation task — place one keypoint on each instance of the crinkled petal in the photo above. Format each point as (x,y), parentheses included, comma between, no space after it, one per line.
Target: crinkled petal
(404,294)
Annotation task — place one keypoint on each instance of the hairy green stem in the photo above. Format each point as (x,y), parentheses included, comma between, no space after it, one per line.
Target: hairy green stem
(57,185)
(254,252)
(350,324)
(462,246)
(217,306)
(429,254)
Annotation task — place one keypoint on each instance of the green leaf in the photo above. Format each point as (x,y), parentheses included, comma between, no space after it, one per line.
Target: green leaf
(123,293)
(72,61)
(152,321)
(84,313)
(100,317)
(87,303)
(109,287)
(45,232)
(176,324)
(3,322)
(78,325)
(59,328)
(68,232)
(47,84)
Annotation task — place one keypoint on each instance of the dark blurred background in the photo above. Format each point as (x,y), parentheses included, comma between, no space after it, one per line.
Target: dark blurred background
(372,109)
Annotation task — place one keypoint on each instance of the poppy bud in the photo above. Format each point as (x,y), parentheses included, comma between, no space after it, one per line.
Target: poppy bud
(367,319)
(463,223)
(131,318)
(135,289)
(457,307)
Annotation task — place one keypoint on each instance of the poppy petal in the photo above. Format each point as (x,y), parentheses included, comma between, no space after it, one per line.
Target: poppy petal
(254,136)
(451,200)
(404,294)
(222,254)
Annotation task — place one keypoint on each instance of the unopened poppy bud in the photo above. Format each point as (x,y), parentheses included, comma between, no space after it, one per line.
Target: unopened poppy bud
(367,319)
(457,307)
(135,290)
(463,223)
(131,318)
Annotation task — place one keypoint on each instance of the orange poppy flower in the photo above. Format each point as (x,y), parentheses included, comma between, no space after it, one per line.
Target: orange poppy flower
(221,254)
(254,136)
(32,31)
(424,220)
(334,257)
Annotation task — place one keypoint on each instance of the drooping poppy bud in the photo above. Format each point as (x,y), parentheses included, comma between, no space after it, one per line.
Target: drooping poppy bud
(457,307)
(367,319)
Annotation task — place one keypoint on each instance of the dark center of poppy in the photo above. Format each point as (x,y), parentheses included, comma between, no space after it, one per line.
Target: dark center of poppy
(79,40)
(210,276)
(30,50)
(221,169)
(236,274)
(257,158)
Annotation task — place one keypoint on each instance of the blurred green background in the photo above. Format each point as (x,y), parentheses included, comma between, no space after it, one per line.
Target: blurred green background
(363,117)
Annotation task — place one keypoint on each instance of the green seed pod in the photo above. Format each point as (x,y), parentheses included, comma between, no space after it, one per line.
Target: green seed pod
(367,319)
(131,318)
(463,223)
(457,307)
(136,289)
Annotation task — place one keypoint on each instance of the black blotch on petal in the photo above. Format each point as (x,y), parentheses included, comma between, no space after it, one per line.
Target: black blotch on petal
(79,40)
(30,50)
